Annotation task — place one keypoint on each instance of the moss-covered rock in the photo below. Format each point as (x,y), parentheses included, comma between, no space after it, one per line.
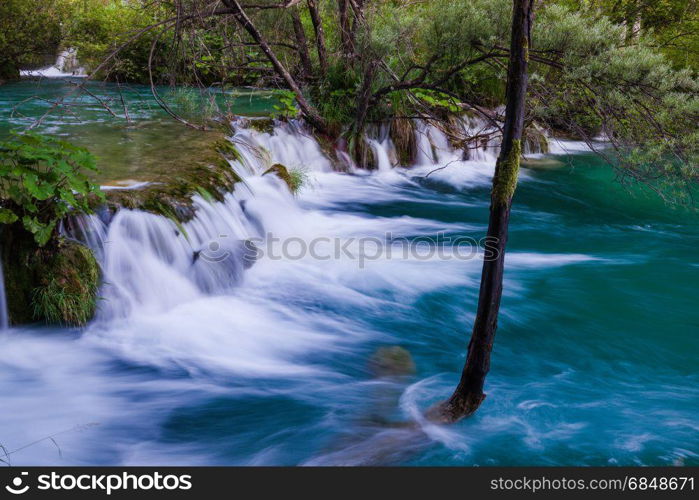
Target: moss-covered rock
(391,361)
(361,151)
(295,178)
(542,163)
(67,292)
(283,173)
(211,177)
(54,284)
(262,124)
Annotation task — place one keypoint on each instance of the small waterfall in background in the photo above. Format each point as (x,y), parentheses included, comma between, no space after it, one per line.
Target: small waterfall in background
(66,64)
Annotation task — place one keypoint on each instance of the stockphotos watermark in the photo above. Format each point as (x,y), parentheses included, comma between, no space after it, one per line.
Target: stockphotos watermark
(105,483)
(362,249)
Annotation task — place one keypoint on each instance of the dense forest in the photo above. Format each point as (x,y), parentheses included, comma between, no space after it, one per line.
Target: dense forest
(597,66)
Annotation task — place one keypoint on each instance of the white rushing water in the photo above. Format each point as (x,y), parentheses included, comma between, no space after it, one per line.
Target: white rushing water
(149,264)
(195,318)
(66,64)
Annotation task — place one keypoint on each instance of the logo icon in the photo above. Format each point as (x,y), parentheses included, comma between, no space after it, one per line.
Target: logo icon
(16,488)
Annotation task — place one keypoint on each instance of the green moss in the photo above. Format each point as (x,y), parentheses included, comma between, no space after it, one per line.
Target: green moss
(212,177)
(294,178)
(56,283)
(67,292)
(265,125)
(525,46)
(506,172)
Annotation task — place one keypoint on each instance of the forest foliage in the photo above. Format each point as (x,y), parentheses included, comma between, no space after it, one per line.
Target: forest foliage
(626,69)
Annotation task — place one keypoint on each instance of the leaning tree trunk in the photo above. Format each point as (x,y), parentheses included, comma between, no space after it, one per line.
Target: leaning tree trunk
(311,114)
(469,393)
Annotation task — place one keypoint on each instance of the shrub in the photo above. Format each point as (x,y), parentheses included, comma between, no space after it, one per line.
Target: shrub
(41,180)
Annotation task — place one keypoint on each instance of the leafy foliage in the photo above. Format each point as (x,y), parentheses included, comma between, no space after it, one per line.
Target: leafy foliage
(286,106)
(629,92)
(41,180)
(29,32)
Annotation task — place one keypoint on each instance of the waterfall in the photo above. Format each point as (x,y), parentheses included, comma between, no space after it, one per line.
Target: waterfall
(66,65)
(381,152)
(150,264)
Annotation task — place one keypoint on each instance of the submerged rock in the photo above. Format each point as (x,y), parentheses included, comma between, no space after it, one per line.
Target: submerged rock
(542,163)
(390,361)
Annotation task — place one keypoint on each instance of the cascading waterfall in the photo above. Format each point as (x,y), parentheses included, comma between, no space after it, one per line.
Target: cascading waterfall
(150,264)
(198,357)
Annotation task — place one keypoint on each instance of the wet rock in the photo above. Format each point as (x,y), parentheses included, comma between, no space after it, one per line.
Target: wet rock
(283,173)
(391,361)
(402,134)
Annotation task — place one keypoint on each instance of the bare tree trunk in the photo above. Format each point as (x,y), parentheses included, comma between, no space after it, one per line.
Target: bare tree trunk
(364,98)
(300,35)
(358,8)
(309,111)
(469,393)
(345,28)
(320,36)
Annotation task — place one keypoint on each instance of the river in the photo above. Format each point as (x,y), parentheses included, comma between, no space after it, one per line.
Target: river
(595,361)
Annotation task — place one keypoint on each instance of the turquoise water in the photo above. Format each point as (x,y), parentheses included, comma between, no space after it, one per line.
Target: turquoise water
(137,140)
(595,361)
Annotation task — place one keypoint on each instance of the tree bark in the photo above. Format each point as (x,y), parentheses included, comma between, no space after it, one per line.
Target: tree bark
(320,36)
(302,48)
(469,393)
(311,115)
(346,46)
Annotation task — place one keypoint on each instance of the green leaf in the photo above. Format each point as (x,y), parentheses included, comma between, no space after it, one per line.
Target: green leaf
(38,189)
(43,179)
(7,216)
(42,232)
